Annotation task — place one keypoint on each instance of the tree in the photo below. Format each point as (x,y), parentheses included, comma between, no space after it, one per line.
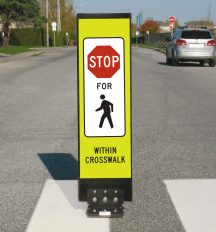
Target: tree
(200,23)
(16,11)
(177,24)
(68,19)
(133,30)
(150,25)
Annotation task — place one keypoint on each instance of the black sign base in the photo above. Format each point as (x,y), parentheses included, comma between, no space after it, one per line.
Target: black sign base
(123,184)
(105,203)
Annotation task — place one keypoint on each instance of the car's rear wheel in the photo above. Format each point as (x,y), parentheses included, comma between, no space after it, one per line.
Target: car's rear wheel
(202,63)
(168,60)
(212,63)
(174,61)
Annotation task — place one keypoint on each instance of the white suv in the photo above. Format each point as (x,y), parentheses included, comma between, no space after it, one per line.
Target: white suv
(191,45)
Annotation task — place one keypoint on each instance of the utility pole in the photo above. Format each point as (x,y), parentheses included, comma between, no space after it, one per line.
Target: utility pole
(209,12)
(47,23)
(58,16)
(209,15)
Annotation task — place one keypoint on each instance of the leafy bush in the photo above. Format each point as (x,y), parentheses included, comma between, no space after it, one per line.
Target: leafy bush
(59,39)
(36,37)
(28,36)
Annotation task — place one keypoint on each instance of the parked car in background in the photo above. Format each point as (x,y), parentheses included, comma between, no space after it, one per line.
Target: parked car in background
(191,45)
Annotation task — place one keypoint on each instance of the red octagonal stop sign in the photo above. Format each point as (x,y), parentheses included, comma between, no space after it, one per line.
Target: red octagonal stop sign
(103,61)
(172,19)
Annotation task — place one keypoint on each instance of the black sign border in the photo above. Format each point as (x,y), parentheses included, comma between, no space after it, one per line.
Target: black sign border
(89,183)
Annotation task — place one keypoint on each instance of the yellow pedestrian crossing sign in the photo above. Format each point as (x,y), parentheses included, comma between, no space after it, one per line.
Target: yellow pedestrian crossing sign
(104,98)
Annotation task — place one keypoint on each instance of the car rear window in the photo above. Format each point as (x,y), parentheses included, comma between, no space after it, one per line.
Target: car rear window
(196,34)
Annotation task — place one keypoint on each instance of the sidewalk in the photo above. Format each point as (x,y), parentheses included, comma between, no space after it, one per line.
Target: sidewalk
(24,55)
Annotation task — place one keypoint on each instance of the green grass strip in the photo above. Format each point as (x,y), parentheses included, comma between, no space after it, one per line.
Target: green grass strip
(13,50)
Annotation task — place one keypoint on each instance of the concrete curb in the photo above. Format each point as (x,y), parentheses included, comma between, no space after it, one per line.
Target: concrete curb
(24,55)
(158,50)
(155,49)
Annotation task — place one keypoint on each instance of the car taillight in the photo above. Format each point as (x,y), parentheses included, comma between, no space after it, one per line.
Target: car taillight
(181,42)
(211,43)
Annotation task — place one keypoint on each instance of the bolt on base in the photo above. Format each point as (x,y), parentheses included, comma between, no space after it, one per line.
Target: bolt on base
(105,203)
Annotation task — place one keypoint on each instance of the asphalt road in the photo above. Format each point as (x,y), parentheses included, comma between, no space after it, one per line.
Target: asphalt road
(174,134)
(38,117)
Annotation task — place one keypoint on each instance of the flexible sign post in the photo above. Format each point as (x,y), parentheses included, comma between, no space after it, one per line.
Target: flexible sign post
(104,106)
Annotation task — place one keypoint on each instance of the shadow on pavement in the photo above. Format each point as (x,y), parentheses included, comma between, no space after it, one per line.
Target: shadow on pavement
(64,169)
(62,166)
(185,64)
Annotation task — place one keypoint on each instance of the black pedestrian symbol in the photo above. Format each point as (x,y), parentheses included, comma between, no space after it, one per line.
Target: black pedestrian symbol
(107,107)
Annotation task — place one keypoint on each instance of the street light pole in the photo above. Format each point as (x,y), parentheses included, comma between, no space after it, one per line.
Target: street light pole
(47,23)
(147,32)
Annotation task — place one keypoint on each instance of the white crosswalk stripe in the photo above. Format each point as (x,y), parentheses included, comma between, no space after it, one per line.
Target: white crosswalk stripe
(195,203)
(58,210)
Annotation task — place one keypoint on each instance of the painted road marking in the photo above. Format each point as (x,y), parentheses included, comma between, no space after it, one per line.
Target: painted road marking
(195,203)
(58,209)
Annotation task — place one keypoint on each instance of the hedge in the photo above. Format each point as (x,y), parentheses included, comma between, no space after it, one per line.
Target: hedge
(28,36)
(60,39)
(35,37)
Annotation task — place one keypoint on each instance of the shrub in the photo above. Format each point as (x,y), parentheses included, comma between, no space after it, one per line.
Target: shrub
(60,38)
(36,37)
(28,36)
